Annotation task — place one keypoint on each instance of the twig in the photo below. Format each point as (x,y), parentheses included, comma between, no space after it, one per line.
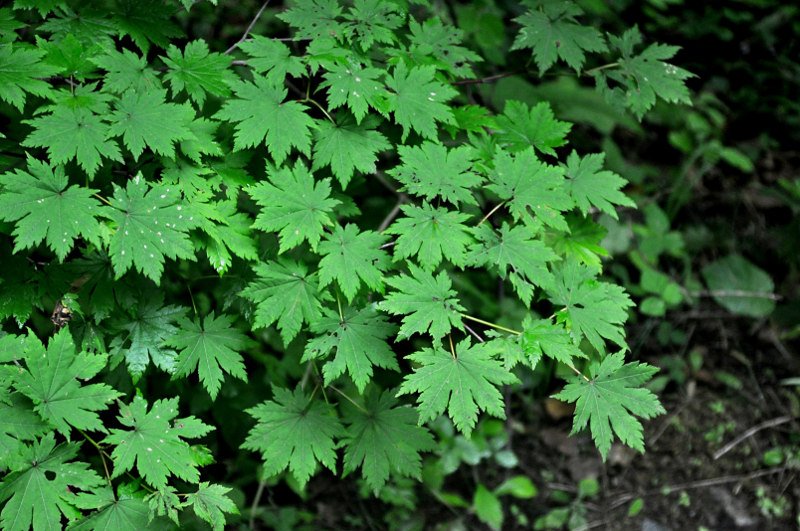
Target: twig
(249,28)
(488,79)
(492,211)
(752,431)
(390,216)
(256,501)
(474,333)
(735,293)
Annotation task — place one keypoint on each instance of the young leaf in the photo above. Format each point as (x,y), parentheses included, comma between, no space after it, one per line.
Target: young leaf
(151,225)
(519,128)
(21,71)
(431,233)
(198,71)
(371,21)
(431,171)
(73,134)
(611,400)
(261,114)
(352,257)
(552,32)
(463,384)
(209,348)
(139,118)
(314,18)
(348,147)
(526,183)
(293,203)
(286,293)
(359,88)
(541,336)
(46,207)
(359,339)
(272,57)
(295,432)
(53,382)
(384,439)
(588,184)
(418,100)
(210,502)
(443,41)
(427,303)
(42,489)
(592,308)
(155,445)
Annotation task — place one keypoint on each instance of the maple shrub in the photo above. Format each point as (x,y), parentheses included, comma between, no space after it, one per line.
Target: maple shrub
(298,250)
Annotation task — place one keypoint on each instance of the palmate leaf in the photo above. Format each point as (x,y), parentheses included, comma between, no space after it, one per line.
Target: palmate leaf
(154,444)
(428,304)
(611,400)
(359,340)
(294,432)
(431,233)
(261,115)
(588,184)
(357,87)
(418,100)
(314,18)
(542,337)
(371,21)
(286,293)
(294,204)
(527,183)
(352,257)
(384,439)
(73,134)
(210,502)
(21,72)
(273,58)
(552,32)
(462,384)
(592,308)
(53,382)
(123,511)
(520,128)
(43,488)
(151,225)
(348,147)
(126,70)
(210,348)
(145,22)
(431,171)
(45,207)
(442,41)
(198,71)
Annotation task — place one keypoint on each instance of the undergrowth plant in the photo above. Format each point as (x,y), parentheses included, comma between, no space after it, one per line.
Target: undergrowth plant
(290,249)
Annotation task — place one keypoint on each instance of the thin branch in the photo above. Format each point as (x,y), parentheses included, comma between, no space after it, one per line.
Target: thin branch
(488,79)
(493,325)
(752,431)
(390,216)
(249,29)
(492,211)
(256,501)
(735,293)
(474,333)
(359,406)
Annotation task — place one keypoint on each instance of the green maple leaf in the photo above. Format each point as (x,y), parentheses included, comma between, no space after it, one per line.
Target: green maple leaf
(262,115)
(431,170)
(231,234)
(149,329)
(371,21)
(198,71)
(542,337)
(527,183)
(359,340)
(145,22)
(73,134)
(314,18)
(43,487)
(70,56)
(463,384)
(348,147)
(610,400)
(553,32)
(286,293)
(520,128)
(273,58)
(431,233)
(642,78)
(428,303)
(418,100)
(589,185)
(52,382)
(126,70)
(294,204)
(45,207)
(295,432)
(357,87)
(210,348)
(384,439)
(442,41)
(151,225)
(515,252)
(210,502)
(352,257)
(581,242)
(592,308)
(21,71)
(123,511)
(154,444)
(140,118)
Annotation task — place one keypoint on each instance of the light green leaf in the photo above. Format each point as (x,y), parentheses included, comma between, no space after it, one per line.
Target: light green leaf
(739,286)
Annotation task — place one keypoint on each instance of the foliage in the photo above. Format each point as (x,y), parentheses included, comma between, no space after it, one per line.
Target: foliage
(310,227)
